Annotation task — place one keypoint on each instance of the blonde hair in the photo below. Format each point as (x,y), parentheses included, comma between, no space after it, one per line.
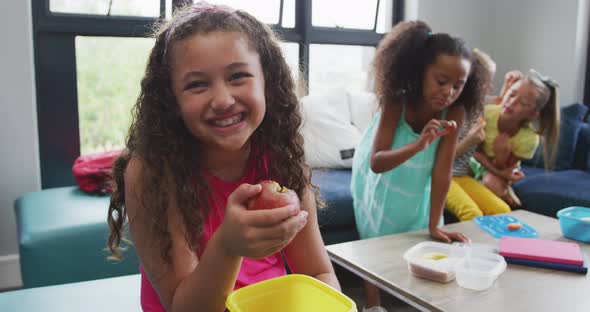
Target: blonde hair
(547,104)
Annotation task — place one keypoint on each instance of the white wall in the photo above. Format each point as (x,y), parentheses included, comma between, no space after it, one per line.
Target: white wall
(19,155)
(547,35)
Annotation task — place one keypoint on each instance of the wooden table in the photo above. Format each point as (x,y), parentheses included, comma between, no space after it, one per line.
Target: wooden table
(519,288)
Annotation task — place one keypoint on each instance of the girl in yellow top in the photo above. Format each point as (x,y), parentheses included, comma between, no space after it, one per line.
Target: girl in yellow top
(529,109)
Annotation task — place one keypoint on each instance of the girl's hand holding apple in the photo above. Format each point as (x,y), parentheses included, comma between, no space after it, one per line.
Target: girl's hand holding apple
(435,129)
(259,233)
(273,195)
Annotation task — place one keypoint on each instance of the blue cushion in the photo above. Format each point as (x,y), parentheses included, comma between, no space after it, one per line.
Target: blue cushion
(335,190)
(532,171)
(62,234)
(571,121)
(336,220)
(582,157)
(547,192)
(587,135)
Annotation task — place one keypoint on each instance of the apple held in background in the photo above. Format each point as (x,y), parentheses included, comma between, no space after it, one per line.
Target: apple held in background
(273,195)
(447,127)
(452,126)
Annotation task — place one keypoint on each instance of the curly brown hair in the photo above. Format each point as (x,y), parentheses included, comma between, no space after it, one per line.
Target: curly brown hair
(403,56)
(483,76)
(170,155)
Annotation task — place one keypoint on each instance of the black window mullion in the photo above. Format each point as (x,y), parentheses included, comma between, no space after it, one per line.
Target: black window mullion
(57,107)
(162,9)
(303,27)
(398,11)
(280,23)
(344,36)
(376,17)
(287,34)
(95,25)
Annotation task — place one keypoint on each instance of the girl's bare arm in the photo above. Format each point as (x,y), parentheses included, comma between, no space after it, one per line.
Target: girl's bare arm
(486,162)
(306,254)
(187,282)
(507,172)
(383,158)
(474,137)
(442,170)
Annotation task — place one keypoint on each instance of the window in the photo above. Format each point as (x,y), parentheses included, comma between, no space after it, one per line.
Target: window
(385,16)
(344,13)
(148,8)
(291,54)
(332,66)
(353,14)
(109,71)
(90,56)
(267,11)
(288,13)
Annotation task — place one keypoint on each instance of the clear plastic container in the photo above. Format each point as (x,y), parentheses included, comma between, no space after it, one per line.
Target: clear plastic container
(434,261)
(479,268)
(475,266)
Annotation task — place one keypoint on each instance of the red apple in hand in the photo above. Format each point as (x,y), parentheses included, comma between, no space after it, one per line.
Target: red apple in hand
(449,127)
(273,195)
(452,125)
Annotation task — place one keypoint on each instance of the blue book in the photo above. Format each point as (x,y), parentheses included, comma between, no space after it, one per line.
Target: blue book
(582,269)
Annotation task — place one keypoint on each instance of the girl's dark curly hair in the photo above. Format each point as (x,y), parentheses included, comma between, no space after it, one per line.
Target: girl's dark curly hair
(171,156)
(403,56)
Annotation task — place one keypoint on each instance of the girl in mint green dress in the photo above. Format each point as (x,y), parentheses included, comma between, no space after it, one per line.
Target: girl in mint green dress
(401,172)
(426,84)
(397,200)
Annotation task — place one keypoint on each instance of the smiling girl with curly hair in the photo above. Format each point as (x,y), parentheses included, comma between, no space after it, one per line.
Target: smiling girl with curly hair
(216,114)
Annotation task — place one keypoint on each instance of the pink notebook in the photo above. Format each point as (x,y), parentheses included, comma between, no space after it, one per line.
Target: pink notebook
(541,250)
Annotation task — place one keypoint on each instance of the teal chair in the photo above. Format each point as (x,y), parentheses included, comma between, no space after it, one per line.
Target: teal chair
(62,234)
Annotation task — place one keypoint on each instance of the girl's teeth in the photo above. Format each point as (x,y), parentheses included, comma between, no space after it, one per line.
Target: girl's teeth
(228,121)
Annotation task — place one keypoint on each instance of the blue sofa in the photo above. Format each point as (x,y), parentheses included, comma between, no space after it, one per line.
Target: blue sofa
(569,184)
(336,220)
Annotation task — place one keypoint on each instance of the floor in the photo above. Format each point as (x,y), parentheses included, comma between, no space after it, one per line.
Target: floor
(352,286)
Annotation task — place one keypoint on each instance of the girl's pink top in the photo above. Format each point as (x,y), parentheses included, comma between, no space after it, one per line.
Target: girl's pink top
(252,270)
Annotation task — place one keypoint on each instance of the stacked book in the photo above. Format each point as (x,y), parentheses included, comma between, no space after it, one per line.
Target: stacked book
(542,253)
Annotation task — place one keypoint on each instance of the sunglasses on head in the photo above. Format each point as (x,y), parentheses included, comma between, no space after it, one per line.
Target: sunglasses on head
(545,79)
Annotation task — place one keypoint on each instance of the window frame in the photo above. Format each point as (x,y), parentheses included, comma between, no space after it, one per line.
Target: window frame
(54,36)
